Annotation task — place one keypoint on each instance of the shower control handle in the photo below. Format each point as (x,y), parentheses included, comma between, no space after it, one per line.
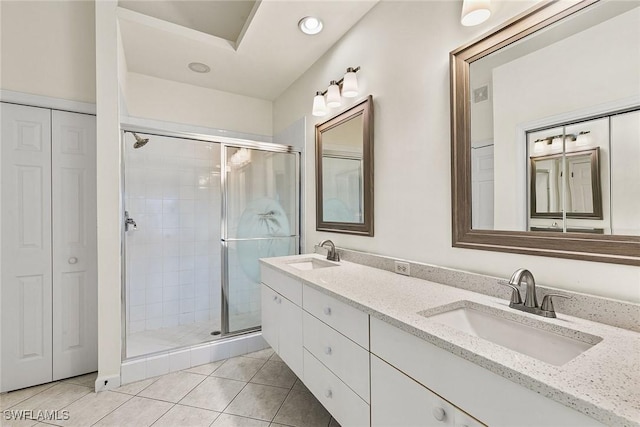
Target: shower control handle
(129,222)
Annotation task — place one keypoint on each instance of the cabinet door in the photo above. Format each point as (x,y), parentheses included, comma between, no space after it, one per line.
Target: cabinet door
(270,315)
(290,336)
(26,246)
(397,400)
(75,277)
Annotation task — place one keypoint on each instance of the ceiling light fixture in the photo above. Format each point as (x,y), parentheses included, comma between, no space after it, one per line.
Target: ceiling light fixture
(475,12)
(199,67)
(349,86)
(310,25)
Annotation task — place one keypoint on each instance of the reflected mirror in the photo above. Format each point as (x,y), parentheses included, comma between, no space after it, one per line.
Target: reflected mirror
(546,134)
(344,171)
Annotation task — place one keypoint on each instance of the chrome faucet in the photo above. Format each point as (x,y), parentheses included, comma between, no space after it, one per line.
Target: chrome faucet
(530,304)
(332,254)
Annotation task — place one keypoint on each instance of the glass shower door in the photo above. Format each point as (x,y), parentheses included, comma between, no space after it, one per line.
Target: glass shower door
(261,205)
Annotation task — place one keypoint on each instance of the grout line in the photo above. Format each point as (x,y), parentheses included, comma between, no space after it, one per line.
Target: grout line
(115,409)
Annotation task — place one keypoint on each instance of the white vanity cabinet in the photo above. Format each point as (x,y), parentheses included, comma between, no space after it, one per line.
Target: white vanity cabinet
(488,397)
(282,317)
(400,401)
(336,357)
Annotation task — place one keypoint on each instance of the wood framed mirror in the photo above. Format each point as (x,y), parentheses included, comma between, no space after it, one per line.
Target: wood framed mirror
(566,183)
(513,79)
(344,171)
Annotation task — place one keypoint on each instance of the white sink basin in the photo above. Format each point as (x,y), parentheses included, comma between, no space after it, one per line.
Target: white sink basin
(311,264)
(544,345)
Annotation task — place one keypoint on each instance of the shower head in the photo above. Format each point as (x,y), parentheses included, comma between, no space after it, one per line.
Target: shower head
(140,142)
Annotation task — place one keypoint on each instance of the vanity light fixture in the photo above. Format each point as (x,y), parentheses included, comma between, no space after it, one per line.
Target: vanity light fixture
(319,106)
(199,67)
(333,95)
(475,12)
(349,86)
(310,25)
(583,138)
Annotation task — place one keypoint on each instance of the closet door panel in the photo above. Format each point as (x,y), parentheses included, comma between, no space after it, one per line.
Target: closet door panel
(74,245)
(25,258)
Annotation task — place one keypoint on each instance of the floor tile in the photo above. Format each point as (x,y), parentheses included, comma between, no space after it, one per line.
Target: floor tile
(205,369)
(91,408)
(135,388)
(172,387)
(302,409)
(239,368)
(137,412)
(213,393)
(87,380)
(299,385)
(185,416)
(54,398)
(226,420)
(12,398)
(275,357)
(262,354)
(258,401)
(276,374)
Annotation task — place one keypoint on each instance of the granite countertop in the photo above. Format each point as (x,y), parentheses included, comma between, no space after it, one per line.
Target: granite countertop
(603,382)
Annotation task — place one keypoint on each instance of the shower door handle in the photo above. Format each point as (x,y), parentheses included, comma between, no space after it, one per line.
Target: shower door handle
(129,222)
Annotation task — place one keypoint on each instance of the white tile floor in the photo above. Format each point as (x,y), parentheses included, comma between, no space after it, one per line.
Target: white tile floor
(255,390)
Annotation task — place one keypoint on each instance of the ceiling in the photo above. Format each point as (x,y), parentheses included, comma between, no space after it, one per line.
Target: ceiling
(255,50)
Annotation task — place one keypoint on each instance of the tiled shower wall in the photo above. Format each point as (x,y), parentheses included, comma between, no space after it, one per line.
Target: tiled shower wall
(173,267)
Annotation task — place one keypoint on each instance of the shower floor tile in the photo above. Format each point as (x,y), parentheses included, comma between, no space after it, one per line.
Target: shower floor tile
(164,339)
(239,403)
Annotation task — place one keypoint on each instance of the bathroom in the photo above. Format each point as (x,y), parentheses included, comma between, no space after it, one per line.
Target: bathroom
(402,49)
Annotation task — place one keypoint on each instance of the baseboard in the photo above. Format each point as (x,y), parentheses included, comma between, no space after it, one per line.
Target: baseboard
(107,382)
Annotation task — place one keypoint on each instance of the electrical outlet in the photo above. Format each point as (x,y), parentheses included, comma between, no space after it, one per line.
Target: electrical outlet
(402,268)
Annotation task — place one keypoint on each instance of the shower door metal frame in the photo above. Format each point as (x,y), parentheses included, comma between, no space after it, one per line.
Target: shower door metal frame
(224,143)
(224,240)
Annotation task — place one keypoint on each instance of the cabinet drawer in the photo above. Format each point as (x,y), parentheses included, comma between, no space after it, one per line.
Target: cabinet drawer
(343,404)
(343,357)
(474,389)
(349,321)
(286,286)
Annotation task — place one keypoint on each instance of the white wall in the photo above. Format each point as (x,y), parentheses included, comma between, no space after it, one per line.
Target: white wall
(403,48)
(48,48)
(153,98)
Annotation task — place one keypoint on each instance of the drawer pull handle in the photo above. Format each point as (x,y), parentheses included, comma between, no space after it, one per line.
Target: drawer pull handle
(328,394)
(327,311)
(275,298)
(438,413)
(327,350)
(279,300)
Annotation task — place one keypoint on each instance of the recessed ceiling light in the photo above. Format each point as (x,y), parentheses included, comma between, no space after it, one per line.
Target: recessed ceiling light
(199,67)
(310,25)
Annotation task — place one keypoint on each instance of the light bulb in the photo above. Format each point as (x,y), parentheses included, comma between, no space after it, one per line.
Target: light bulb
(319,106)
(475,12)
(333,95)
(556,143)
(350,84)
(583,139)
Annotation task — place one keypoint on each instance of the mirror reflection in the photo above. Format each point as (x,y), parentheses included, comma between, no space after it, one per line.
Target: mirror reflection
(344,171)
(555,127)
(342,177)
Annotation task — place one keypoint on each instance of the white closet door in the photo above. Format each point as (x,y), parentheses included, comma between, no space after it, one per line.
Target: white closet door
(25,231)
(75,298)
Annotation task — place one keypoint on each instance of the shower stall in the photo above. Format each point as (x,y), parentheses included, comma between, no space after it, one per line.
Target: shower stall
(199,213)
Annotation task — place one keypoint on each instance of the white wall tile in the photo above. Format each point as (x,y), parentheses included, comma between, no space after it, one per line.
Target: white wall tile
(133,371)
(157,365)
(179,360)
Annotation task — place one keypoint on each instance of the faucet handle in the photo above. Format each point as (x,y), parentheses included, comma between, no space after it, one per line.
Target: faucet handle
(547,302)
(515,293)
